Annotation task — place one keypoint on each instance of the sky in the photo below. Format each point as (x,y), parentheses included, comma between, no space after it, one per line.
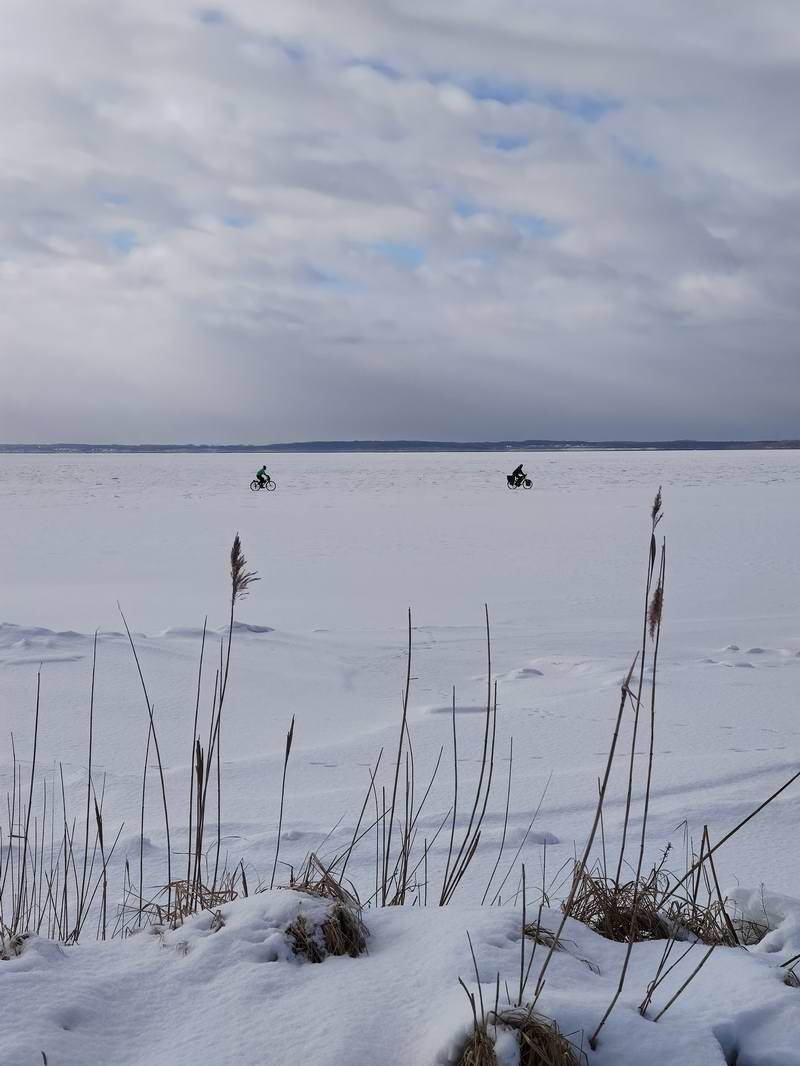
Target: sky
(265,220)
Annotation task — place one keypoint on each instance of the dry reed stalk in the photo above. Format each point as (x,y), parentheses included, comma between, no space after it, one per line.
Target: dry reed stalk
(732,832)
(654,616)
(403,729)
(23,867)
(289,737)
(581,866)
(192,773)
(241,580)
(656,515)
(89,772)
(505,822)
(469,845)
(150,713)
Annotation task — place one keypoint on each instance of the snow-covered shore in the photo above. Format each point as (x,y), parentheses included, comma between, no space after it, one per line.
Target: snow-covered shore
(342,548)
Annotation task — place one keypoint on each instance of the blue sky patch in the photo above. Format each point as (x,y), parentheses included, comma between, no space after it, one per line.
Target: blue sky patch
(587,107)
(636,158)
(534,225)
(320,278)
(404,254)
(528,224)
(295,53)
(124,240)
(504,142)
(464,208)
(212,16)
(378,65)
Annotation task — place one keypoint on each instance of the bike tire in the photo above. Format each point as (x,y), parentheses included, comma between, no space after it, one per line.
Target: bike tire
(510,486)
(270,486)
(254,485)
(528,483)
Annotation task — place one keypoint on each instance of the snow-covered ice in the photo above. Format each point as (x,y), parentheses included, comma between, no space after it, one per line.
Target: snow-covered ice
(343,547)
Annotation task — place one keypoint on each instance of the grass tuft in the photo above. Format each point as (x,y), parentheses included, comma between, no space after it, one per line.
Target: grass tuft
(343,931)
(541,1042)
(624,912)
(478,1049)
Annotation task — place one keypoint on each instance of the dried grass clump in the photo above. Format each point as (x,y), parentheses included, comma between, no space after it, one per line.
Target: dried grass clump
(536,932)
(180,899)
(478,1049)
(343,932)
(541,1042)
(710,924)
(626,913)
(304,940)
(791,979)
(11,944)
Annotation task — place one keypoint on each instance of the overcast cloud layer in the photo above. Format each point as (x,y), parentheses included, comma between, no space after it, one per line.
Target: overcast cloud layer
(287,219)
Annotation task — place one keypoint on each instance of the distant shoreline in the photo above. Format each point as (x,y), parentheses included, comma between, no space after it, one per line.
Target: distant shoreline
(395,446)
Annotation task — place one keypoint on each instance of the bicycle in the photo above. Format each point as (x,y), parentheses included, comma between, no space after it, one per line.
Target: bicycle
(523,483)
(268,484)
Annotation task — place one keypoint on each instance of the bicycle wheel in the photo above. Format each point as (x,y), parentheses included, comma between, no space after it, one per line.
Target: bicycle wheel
(509,484)
(254,485)
(528,483)
(270,486)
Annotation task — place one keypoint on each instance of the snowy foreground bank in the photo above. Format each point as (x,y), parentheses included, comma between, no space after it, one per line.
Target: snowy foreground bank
(231,990)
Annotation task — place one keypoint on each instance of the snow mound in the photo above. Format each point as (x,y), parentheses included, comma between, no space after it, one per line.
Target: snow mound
(227,987)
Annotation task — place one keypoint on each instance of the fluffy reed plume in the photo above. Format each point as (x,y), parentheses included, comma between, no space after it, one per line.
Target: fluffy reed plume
(241,579)
(654,614)
(655,513)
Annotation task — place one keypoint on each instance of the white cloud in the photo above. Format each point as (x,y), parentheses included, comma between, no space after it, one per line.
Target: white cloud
(259,220)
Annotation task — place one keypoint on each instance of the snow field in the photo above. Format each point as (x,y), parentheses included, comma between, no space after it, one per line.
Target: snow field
(348,545)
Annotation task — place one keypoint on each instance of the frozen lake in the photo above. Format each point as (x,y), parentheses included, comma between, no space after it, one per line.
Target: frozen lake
(344,546)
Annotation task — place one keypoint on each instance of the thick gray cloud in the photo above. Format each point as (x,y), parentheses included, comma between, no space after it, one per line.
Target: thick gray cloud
(261,221)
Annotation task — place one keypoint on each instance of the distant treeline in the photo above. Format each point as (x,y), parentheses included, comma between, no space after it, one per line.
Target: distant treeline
(410,446)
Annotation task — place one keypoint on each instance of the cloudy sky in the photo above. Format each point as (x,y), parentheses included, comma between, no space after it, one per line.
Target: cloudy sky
(288,219)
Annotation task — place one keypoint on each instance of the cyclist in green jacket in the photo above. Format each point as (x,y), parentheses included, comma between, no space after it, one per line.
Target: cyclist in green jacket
(262,476)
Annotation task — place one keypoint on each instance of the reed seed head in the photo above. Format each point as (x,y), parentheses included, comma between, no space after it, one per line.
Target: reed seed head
(656,605)
(241,578)
(655,514)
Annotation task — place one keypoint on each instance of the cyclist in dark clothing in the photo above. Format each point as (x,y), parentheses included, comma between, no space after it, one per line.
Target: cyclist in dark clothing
(516,477)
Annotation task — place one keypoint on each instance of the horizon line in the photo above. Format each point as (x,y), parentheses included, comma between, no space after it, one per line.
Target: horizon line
(405,444)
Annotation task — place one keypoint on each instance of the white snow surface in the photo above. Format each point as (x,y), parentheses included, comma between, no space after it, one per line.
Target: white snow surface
(342,548)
